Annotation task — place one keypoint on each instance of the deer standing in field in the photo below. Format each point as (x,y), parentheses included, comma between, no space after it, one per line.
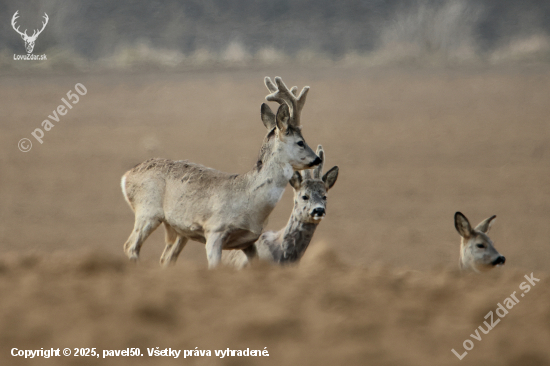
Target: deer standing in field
(29,41)
(477,252)
(223,211)
(289,244)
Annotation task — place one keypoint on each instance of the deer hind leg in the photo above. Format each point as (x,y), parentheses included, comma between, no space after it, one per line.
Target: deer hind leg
(143,227)
(174,245)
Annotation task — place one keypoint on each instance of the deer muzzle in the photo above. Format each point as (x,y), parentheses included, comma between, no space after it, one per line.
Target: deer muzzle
(499,261)
(315,162)
(318,213)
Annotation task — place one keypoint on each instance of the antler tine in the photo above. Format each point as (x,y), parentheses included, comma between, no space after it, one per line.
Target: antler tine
(306,174)
(275,90)
(318,170)
(45,16)
(281,94)
(13,19)
(270,85)
(302,98)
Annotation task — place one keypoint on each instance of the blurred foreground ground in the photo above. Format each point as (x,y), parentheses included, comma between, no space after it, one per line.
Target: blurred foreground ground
(413,147)
(322,313)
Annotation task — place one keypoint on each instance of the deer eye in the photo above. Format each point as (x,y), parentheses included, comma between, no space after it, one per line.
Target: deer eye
(324,197)
(300,143)
(305,198)
(480,246)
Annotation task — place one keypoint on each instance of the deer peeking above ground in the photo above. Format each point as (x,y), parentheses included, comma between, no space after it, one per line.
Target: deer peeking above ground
(223,211)
(29,40)
(289,244)
(477,252)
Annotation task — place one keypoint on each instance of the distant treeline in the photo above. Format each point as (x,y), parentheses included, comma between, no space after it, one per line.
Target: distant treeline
(95,28)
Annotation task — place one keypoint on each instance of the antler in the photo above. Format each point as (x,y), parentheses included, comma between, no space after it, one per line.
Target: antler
(34,35)
(318,170)
(281,94)
(15,16)
(36,31)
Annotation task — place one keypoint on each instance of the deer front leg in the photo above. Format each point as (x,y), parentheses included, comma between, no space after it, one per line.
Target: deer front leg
(214,245)
(174,245)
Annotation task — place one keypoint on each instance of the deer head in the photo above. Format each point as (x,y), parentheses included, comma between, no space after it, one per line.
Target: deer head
(286,123)
(310,200)
(29,40)
(477,251)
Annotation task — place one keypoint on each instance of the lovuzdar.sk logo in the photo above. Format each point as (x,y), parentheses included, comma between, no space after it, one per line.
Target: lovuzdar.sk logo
(29,40)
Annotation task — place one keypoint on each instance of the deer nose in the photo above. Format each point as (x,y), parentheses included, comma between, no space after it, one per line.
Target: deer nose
(318,212)
(317,161)
(499,260)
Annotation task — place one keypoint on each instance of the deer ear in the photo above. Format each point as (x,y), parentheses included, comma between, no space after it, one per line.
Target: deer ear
(268,117)
(283,117)
(330,177)
(296,180)
(463,226)
(485,225)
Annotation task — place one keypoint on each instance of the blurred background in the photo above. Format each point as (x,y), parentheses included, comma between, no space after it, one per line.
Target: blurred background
(176,34)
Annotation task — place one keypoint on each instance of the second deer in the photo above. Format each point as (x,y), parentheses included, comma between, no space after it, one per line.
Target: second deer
(289,244)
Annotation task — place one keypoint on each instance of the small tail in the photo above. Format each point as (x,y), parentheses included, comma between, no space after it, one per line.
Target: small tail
(123,186)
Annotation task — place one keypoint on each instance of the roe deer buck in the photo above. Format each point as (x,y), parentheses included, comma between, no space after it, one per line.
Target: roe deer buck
(223,211)
(289,244)
(477,252)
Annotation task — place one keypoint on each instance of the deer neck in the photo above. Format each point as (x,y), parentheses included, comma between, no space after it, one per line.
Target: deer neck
(296,237)
(273,171)
(267,181)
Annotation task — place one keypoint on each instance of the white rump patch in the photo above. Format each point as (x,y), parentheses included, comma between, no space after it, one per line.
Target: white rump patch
(123,186)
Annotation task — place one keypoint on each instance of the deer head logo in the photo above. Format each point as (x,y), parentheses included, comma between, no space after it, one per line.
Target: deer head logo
(29,41)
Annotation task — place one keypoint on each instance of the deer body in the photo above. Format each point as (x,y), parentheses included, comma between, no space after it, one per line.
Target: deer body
(477,251)
(221,210)
(289,244)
